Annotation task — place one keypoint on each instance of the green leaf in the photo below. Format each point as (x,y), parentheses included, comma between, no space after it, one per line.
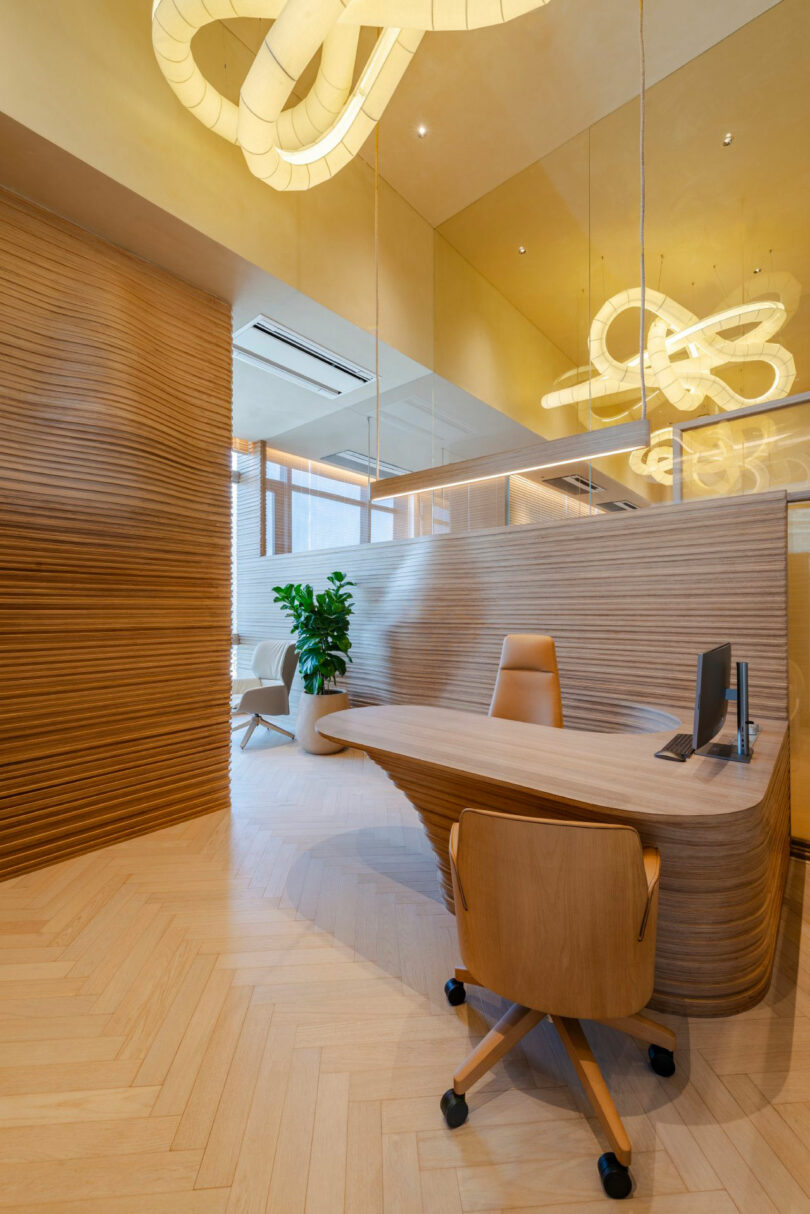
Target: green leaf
(321,622)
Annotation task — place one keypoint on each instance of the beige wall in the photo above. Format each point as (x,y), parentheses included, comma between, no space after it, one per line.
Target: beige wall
(485,345)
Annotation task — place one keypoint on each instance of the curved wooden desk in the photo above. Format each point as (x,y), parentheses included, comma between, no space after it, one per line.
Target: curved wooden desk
(723,829)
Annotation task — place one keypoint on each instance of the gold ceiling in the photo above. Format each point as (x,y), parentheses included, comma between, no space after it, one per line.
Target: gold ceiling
(725,223)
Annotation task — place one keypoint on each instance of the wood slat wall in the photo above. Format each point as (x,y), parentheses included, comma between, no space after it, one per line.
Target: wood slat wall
(114,543)
(630,600)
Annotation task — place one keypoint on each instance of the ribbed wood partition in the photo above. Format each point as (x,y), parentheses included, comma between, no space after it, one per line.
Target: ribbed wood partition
(630,600)
(114,543)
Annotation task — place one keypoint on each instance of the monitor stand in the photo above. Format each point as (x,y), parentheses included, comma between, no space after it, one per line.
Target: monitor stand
(741,751)
(724,750)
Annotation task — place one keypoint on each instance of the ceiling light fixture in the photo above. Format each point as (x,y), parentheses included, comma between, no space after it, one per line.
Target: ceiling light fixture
(757,269)
(572,449)
(421,130)
(299,147)
(521,249)
(674,330)
(728,139)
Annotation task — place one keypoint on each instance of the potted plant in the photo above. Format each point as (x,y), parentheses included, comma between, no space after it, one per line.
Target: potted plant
(322,624)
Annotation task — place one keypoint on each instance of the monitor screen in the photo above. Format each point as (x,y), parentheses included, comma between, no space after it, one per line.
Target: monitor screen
(713,677)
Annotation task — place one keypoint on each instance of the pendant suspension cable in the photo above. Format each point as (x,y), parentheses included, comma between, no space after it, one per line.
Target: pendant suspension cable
(377,283)
(643,200)
(588,331)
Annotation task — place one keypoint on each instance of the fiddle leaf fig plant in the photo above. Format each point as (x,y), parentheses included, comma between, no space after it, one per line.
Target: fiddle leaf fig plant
(322,624)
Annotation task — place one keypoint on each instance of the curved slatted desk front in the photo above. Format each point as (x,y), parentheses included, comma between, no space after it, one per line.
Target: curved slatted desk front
(723,829)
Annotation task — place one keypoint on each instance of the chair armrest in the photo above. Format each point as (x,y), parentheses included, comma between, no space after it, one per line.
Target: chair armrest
(652,871)
(454,843)
(272,700)
(240,686)
(454,862)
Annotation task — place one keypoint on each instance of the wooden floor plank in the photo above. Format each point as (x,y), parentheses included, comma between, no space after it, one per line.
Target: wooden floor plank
(85,1139)
(98,1176)
(259,1144)
(326,1184)
(364,1179)
(225,1138)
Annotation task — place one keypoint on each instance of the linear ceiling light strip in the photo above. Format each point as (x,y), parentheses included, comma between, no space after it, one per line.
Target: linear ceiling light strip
(572,449)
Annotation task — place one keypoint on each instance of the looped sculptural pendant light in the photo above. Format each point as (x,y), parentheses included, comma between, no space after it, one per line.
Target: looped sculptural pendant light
(682,354)
(298,147)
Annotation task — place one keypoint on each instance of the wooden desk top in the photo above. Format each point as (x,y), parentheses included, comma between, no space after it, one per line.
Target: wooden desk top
(616,771)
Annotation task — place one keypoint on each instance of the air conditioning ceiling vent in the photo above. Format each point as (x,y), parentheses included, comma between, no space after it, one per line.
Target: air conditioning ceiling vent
(366,465)
(618,507)
(575,484)
(271,347)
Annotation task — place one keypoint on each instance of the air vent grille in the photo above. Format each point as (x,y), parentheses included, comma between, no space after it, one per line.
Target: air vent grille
(575,484)
(618,507)
(266,344)
(288,338)
(355,461)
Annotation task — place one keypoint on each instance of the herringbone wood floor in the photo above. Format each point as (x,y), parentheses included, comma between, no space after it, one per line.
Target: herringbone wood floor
(245,1013)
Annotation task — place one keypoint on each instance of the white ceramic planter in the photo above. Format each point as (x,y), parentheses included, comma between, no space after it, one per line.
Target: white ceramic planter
(312,709)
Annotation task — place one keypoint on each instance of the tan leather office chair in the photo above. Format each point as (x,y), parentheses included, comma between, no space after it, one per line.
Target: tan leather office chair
(528,684)
(560,918)
(268,692)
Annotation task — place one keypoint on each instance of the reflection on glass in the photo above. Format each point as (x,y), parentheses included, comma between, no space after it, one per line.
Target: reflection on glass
(533,310)
(799,667)
(313,482)
(728,260)
(768,450)
(323,523)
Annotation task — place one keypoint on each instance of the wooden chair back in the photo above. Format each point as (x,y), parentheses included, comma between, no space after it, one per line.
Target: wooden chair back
(557,916)
(528,684)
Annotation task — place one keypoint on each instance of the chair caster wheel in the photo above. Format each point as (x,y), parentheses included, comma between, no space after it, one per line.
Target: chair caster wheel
(455,992)
(615,1176)
(454,1108)
(662,1061)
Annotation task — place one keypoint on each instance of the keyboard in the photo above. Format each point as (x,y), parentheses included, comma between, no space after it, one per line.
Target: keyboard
(678,749)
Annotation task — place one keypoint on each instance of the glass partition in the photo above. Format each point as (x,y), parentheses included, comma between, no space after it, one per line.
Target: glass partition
(507,311)
(799,671)
(749,452)
(537,281)
(304,505)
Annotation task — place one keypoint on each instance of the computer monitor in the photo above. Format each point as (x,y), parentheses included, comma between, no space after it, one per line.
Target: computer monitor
(711,703)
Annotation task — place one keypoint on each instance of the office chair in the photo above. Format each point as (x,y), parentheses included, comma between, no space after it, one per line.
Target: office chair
(528,684)
(274,664)
(559,918)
